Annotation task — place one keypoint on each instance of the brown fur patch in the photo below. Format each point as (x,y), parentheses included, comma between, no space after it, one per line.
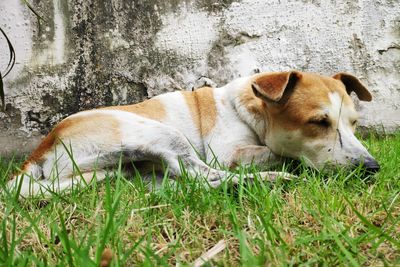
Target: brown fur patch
(151,109)
(94,124)
(202,108)
(191,102)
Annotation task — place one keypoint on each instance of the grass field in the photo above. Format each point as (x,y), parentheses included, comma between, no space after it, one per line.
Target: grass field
(339,219)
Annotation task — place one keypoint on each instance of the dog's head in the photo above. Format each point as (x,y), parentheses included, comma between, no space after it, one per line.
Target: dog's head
(312,117)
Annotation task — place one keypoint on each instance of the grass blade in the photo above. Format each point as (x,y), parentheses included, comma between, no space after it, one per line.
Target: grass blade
(345,251)
(65,240)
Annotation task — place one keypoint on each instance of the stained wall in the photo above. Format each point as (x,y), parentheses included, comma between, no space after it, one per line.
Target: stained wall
(90,53)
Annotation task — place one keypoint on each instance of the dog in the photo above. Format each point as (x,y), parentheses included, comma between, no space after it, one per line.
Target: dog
(258,119)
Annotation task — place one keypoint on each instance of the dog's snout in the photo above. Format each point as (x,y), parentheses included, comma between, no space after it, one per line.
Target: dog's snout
(369,164)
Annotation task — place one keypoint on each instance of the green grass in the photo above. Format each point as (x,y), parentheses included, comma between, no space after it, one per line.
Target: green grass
(341,219)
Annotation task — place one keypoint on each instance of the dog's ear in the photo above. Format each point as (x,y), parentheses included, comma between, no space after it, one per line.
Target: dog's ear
(275,87)
(354,85)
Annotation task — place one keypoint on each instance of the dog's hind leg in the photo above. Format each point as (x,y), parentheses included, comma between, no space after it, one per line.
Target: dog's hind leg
(29,186)
(60,169)
(81,143)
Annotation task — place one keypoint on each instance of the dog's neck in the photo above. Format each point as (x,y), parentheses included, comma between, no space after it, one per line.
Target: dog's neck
(248,107)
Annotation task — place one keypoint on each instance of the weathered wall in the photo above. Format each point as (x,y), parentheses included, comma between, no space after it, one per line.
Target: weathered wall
(91,53)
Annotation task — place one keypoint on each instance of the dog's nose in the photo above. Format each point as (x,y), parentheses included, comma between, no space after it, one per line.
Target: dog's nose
(369,164)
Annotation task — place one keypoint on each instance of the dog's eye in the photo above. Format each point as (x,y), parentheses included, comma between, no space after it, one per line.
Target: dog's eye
(354,122)
(323,122)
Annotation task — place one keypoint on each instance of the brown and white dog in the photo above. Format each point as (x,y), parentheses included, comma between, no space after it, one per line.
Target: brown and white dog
(256,119)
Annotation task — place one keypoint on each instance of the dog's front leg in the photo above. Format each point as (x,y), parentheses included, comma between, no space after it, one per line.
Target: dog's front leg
(253,154)
(261,156)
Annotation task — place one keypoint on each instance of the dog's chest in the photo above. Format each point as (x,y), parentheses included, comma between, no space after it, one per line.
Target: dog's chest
(207,121)
(230,131)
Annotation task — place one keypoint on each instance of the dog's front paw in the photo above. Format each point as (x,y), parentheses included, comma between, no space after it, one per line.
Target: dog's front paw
(273,176)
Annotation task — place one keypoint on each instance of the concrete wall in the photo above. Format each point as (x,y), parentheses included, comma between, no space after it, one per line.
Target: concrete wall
(91,53)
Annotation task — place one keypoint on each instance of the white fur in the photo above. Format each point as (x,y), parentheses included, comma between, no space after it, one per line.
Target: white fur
(349,146)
